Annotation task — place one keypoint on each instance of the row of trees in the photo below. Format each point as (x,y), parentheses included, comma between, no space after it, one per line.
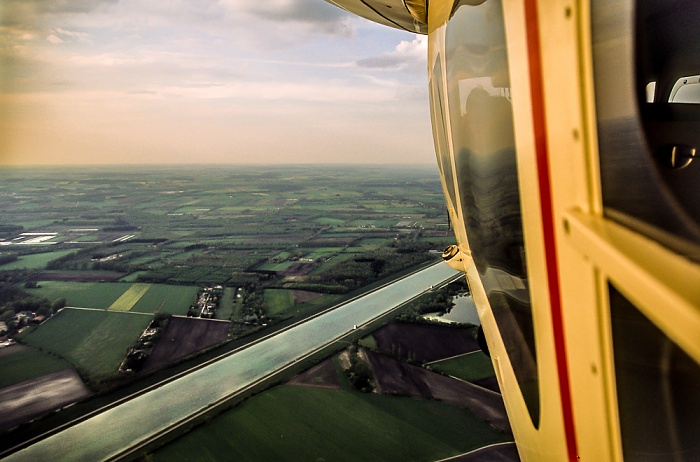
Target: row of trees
(374,265)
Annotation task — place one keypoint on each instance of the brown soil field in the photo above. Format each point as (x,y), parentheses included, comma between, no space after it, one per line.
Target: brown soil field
(301,296)
(397,377)
(423,343)
(33,398)
(322,375)
(96,276)
(185,336)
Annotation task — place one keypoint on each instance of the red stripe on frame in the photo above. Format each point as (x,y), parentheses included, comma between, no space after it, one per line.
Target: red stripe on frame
(541,155)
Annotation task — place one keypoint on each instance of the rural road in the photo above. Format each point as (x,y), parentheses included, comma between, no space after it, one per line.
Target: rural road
(110,434)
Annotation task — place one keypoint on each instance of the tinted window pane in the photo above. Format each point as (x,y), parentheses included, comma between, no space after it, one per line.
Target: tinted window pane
(440,135)
(481,120)
(646,58)
(657,389)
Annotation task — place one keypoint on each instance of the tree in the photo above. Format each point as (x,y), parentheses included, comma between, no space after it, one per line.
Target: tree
(58,304)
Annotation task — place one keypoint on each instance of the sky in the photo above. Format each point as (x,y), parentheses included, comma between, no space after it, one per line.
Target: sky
(208,81)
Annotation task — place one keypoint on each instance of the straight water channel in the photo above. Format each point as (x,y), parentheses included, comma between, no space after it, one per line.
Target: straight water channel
(114,430)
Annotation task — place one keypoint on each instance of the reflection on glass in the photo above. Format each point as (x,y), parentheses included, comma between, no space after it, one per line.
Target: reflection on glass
(646,55)
(657,389)
(482,132)
(686,90)
(440,135)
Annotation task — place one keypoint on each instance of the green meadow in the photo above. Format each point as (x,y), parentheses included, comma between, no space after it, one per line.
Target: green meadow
(24,363)
(278,300)
(34,261)
(82,294)
(470,367)
(165,298)
(120,296)
(290,423)
(94,341)
(129,298)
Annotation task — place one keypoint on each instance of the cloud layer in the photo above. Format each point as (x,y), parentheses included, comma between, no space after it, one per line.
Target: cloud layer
(207,81)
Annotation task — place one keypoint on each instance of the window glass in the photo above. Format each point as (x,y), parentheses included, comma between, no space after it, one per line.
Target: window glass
(440,135)
(657,389)
(646,56)
(481,121)
(686,90)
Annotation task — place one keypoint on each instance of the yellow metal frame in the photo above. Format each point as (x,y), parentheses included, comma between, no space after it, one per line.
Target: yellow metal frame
(591,250)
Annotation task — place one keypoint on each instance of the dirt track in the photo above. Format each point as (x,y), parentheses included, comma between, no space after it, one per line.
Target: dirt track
(33,398)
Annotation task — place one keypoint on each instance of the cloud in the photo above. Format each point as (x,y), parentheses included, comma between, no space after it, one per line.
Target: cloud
(29,13)
(407,55)
(326,16)
(139,77)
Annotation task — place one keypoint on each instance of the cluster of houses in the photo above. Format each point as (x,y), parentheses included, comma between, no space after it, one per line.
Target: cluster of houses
(25,318)
(207,303)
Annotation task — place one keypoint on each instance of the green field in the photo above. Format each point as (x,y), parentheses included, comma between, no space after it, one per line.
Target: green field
(329,221)
(25,363)
(82,294)
(120,296)
(164,298)
(278,301)
(295,423)
(272,266)
(226,303)
(470,367)
(129,298)
(133,276)
(94,341)
(35,261)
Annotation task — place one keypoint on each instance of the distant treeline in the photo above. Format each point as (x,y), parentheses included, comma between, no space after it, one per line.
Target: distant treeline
(372,266)
(120,228)
(7,258)
(10,229)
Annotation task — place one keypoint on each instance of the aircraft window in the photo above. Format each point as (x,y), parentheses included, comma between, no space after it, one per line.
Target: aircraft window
(440,135)
(657,389)
(686,90)
(481,116)
(651,92)
(646,61)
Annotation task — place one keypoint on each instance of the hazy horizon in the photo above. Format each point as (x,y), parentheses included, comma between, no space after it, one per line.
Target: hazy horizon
(208,82)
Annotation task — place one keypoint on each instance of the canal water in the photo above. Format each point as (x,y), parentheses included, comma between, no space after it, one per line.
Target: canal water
(111,432)
(463,312)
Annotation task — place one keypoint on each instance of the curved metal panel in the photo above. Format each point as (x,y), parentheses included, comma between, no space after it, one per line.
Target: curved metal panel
(393,13)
